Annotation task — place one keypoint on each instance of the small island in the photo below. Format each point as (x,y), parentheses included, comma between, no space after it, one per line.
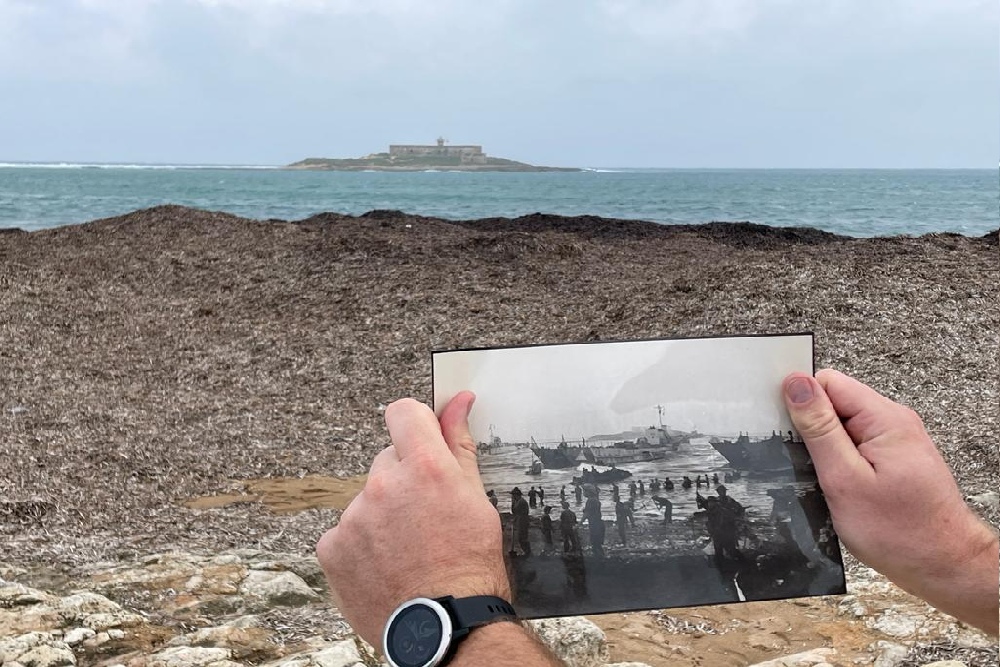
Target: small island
(417,157)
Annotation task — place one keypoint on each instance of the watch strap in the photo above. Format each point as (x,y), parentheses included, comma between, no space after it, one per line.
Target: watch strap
(479,610)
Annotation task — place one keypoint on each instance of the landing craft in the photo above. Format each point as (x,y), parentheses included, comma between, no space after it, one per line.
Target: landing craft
(775,454)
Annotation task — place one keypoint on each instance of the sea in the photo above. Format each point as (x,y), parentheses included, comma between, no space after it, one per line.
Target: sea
(501,472)
(852,202)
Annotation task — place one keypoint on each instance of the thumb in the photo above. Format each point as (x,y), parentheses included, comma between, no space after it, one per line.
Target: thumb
(455,429)
(831,448)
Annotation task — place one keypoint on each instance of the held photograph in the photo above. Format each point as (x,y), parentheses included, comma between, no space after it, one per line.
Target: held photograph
(647,474)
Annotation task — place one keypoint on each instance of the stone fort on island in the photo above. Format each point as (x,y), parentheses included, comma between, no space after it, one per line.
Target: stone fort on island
(467,154)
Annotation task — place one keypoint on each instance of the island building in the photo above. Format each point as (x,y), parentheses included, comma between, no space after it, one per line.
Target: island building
(467,154)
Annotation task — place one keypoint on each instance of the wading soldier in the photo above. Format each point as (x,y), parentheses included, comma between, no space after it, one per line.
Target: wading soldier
(567,526)
(592,515)
(547,527)
(622,519)
(519,509)
(725,517)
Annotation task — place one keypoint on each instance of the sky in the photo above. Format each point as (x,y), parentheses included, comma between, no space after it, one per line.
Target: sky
(586,83)
(719,386)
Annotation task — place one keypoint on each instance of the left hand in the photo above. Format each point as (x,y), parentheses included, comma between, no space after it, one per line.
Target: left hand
(421,527)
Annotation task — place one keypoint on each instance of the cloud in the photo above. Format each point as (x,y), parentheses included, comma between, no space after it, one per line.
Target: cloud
(683,22)
(619,82)
(73,40)
(338,39)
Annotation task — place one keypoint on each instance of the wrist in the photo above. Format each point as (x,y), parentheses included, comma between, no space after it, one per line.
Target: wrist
(490,582)
(964,582)
(508,643)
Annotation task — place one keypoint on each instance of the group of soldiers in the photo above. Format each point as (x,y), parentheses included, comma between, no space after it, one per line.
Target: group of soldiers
(520,511)
(724,517)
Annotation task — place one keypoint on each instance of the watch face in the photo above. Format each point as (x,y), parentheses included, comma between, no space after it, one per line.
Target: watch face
(414,636)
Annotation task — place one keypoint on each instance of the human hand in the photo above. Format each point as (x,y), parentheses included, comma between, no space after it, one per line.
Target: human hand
(893,500)
(421,527)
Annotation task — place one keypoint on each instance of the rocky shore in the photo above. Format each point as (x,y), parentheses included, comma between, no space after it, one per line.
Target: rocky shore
(244,606)
(172,354)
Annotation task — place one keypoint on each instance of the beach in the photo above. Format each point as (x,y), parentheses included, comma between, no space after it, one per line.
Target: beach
(154,361)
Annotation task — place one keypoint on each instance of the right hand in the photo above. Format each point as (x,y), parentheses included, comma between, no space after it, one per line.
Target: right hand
(422,525)
(892,498)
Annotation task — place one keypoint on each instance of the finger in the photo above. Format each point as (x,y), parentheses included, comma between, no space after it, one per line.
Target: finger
(849,397)
(326,554)
(414,430)
(384,461)
(455,428)
(861,408)
(831,448)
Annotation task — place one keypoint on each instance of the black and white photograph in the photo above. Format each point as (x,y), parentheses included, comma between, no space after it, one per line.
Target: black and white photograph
(647,474)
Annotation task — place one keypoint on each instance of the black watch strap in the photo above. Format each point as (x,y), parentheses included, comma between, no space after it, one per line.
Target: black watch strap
(479,610)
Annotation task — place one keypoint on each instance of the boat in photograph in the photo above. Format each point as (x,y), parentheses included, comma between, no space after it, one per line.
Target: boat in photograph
(594,476)
(639,451)
(774,454)
(496,445)
(652,444)
(562,455)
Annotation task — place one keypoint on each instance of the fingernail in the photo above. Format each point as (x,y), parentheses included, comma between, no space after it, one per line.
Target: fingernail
(468,409)
(800,390)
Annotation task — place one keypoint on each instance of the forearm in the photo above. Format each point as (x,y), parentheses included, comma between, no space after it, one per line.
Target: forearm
(967,587)
(503,644)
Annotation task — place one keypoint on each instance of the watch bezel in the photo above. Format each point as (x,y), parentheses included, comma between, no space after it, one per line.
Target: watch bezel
(447,630)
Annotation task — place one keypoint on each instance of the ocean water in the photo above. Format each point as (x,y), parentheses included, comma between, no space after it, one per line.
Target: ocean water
(849,202)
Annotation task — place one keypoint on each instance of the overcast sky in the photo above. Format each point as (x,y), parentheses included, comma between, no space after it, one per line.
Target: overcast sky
(612,83)
(718,385)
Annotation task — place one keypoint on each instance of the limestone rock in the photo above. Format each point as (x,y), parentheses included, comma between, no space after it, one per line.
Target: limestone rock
(106,620)
(243,643)
(574,640)
(889,654)
(895,624)
(95,641)
(340,654)
(249,621)
(628,664)
(81,605)
(945,663)
(185,656)
(51,654)
(77,635)
(306,568)
(817,657)
(11,649)
(19,595)
(278,588)
(36,649)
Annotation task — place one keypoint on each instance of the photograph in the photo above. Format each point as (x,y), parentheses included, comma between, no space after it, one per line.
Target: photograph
(647,474)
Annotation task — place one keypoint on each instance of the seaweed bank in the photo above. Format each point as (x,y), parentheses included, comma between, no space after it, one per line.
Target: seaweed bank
(173,353)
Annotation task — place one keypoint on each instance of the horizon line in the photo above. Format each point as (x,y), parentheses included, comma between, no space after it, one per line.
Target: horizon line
(221,165)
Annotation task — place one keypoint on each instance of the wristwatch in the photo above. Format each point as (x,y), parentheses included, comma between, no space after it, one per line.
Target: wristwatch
(425,632)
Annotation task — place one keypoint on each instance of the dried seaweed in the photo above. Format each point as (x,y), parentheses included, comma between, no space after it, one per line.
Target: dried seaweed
(171,353)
